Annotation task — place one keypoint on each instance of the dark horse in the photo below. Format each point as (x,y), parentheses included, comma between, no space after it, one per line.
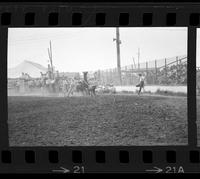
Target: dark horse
(84,87)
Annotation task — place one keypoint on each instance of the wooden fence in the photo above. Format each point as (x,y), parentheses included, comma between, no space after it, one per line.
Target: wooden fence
(153,71)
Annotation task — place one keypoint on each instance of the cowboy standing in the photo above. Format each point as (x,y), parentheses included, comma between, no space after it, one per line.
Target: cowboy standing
(141,83)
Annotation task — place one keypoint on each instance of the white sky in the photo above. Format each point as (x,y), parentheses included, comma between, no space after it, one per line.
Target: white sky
(80,49)
(198,48)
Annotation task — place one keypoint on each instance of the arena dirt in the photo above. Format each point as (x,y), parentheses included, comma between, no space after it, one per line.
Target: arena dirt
(198,120)
(106,120)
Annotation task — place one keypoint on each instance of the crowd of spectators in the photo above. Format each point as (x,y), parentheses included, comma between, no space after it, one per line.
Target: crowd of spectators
(171,75)
(174,73)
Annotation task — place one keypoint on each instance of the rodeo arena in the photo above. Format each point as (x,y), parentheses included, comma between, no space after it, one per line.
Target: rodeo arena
(171,73)
(167,75)
(138,104)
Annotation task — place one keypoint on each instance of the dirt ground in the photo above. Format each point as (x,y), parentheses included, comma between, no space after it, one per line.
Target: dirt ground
(198,120)
(106,120)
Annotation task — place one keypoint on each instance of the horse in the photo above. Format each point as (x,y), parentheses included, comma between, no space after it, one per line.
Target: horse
(82,86)
(89,88)
(70,86)
(64,86)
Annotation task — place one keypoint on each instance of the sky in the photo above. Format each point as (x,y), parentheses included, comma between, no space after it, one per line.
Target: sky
(198,49)
(90,49)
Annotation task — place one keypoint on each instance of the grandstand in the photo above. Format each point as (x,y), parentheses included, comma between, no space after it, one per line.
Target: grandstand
(168,71)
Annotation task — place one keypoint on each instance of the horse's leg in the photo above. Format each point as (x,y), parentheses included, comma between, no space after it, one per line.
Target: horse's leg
(70,91)
(94,92)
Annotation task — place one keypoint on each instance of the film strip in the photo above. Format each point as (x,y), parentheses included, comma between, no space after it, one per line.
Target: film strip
(46,156)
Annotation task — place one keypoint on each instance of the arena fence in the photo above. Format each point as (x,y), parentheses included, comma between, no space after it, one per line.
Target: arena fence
(168,71)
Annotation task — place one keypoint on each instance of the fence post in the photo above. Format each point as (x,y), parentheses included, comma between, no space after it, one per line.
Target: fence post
(98,76)
(156,71)
(147,71)
(180,60)
(112,75)
(104,76)
(177,70)
(101,76)
(107,76)
(125,75)
(165,70)
(115,76)
(132,70)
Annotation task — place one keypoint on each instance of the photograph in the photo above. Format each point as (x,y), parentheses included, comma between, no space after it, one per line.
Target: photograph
(98,86)
(198,85)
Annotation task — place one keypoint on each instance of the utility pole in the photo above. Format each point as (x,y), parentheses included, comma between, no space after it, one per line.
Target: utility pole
(50,58)
(138,58)
(118,42)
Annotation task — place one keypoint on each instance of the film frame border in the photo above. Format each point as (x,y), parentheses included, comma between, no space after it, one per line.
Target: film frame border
(94,158)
